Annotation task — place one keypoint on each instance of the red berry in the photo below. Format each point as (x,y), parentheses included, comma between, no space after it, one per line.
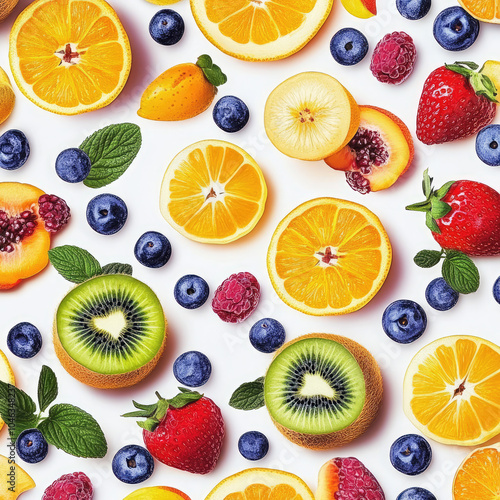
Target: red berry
(393,58)
(54,212)
(356,481)
(75,486)
(236,298)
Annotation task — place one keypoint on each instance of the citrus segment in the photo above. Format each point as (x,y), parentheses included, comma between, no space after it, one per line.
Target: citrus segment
(452,391)
(213,192)
(329,256)
(69,56)
(484,10)
(260,30)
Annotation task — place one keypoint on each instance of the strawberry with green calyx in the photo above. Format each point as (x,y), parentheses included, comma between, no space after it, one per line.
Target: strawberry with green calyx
(185,432)
(457,101)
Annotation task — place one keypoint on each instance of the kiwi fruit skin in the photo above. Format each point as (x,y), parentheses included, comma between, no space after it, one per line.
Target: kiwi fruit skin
(99,380)
(6,7)
(373,400)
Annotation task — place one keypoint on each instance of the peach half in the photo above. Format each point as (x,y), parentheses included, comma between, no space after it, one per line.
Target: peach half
(361,8)
(157,493)
(378,154)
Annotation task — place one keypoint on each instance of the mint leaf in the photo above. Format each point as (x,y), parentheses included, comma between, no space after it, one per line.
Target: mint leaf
(47,388)
(427,258)
(249,396)
(460,272)
(20,424)
(74,431)
(74,263)
(17,409)
(111,151)
(117,268)
(211,71)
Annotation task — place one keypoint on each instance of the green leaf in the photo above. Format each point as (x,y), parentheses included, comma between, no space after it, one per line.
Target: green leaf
(439,208)
(427,258)
(184,398)
(74,431)
(17,409)
(211,71)
(443,190)
(20,424)
(470,64)
(117,268)
(427,183)
(111,151)
(249,396)
(47,388)
(460,272)
(74,263)
(431,223)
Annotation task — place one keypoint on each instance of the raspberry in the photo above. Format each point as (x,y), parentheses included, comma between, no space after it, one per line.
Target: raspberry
(236,298)
(75,486)
(393,58)
(54,212)
(356,481)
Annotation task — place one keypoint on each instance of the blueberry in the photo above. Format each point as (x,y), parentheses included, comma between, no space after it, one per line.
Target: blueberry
(153,249)
(267,335)
(31,446)
(106,213)
(253,445)
(231,113)
(14,149)
(73,165)
(166,27)
(191,291)
(411,454)
(413,9)
(440,295)
(455,29)
(404,321)
(416,494)
(24,340)
(348,46)
(488,145)
(192,368)
(133,464)
(496,290)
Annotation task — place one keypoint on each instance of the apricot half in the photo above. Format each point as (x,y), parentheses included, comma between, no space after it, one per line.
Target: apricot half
(378,154)
(361,8)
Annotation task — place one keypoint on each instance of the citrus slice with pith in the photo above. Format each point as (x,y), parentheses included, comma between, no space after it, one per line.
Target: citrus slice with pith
(69,56)
(329,257)
(484,10)
(213,192)
(6,375)
(452,390)
(260,30)
(261,484)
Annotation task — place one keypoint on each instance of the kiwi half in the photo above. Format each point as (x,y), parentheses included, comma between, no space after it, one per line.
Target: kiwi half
(323,391)
(110,331)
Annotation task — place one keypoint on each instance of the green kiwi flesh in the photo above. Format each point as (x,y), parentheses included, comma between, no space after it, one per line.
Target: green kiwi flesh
(111,324)
(315,386)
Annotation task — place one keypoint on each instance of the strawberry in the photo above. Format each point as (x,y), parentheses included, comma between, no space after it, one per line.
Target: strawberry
(185,432)
(456,102)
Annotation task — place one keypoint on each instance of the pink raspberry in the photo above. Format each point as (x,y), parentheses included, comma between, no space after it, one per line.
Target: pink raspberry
(236,298)
(54,212)
(356,481)
(75,486)
(393,58)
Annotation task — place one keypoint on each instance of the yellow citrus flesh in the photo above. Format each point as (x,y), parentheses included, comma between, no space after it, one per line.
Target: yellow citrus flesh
(163,2)
(7,97)
(69,56)
(21,480)
(478,477)
(213,192)
(492,70)
(260,30)
(484,10)
(261,484)
(157,493)
(452,390)
(329,257)
(310,116)
(357,9)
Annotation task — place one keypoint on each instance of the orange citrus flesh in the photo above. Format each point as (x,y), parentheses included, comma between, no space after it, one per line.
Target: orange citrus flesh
(329,256)
(69,56)
(452,390)
(484,10)
(213,192)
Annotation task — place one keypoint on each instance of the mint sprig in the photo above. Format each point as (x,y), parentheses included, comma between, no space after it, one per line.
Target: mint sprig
(111,151)
(66,427)
(249,396)
(77,264)
(211,71)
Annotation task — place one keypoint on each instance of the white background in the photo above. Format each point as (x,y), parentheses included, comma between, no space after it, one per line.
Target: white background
(290,183)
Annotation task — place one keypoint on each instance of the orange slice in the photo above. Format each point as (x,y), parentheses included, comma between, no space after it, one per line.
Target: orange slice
(69,56)
(261,484)
(452,390)
(260,30)
(213,192)
(329,257)
(478,477)
(484,10)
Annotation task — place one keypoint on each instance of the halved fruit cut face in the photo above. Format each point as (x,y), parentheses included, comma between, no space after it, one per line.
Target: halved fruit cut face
(213,192)
(69,56)
(484,10)
(260,30)
(452,390)
(329,257)
(310,116)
